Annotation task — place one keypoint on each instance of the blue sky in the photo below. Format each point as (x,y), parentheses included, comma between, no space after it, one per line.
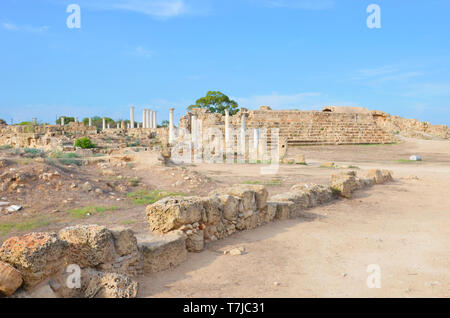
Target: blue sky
(298,54)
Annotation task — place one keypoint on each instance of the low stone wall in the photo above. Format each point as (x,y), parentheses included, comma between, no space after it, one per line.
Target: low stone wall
(42,264)
(36,264)
(410,127)
(242,207)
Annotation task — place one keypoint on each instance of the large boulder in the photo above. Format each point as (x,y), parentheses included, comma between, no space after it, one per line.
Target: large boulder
(89,245)
(10,279)
(36,255)
(162,253)
(171,213)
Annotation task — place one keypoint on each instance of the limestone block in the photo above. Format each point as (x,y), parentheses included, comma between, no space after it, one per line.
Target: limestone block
(345,184)
(230,206)
(10,279)
(125,242)
(212,207)
(110,285)
(162,253)
(171,213)
(89,245)
(36,255)
(195,241)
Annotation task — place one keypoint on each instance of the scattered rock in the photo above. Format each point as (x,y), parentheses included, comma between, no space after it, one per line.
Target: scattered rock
(14,208)
(87,187)
(10,279)
(300,159)
(328,165)
(237,251)
(415,158)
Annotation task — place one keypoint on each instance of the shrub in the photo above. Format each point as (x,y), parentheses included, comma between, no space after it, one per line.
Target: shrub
(84,143)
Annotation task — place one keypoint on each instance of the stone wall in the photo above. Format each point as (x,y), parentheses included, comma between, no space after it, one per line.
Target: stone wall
(410,127)
(334,125)
(42,137)
(303,127)
(243,207)
(39,264)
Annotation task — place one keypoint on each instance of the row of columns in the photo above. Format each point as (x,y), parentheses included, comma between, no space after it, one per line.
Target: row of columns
(149,119)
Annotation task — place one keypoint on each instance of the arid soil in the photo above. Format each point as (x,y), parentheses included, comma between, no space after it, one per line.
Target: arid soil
(403,226)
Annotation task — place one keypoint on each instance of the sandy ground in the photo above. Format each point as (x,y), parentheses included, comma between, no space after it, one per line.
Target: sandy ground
(403,227)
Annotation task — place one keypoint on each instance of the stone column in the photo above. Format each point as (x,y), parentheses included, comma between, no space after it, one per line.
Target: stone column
(194,130)
(155,122)
(62,121)
(76,120)
(243,129)
(109,126)
(171,136)
(104,123)
(35,121)
(255,151)
(143,117)
(227,126)
(90,122)
(132,117)
(150,119)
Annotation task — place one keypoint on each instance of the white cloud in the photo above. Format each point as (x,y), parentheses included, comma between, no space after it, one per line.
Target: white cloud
(384,74)
(24,28)
(300,4)
(161,9)
(140,51)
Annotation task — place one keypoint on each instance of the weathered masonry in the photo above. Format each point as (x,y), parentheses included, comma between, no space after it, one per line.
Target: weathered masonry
(332,126)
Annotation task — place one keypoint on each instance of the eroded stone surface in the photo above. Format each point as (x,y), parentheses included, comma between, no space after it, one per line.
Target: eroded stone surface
(10,279)
(162,253)
(35,255)
(89,245)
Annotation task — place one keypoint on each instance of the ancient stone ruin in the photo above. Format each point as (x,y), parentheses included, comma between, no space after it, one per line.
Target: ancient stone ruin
(41,264)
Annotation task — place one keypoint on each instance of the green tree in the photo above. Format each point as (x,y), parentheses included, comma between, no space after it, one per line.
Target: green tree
(216,102)
(3,122)
(84,143)
(66,120)
(164,123)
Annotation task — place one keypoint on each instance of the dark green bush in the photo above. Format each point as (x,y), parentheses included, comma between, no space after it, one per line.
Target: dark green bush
(84,143)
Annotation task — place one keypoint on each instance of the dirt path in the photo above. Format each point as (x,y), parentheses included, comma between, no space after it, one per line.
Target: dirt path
(404,227)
